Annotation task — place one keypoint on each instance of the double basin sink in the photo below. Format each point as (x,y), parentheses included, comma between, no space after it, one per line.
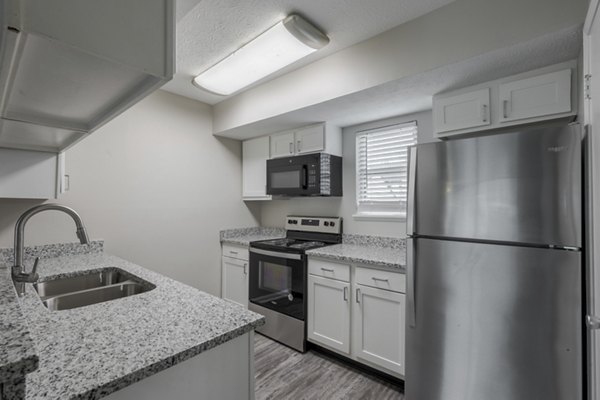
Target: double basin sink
(88,288)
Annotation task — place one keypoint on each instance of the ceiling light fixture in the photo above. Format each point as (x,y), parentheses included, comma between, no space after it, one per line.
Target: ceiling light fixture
(284,43)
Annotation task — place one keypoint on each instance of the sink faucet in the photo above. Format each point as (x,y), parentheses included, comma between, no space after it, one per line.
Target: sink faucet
(20,277)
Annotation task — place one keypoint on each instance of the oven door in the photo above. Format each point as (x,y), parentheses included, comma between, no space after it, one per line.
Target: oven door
(278,281)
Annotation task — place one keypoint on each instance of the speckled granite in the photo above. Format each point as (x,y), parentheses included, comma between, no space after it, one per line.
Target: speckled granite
(374,241)
(14,390)
(244,236)
(92,351)
(17,351)
(53,250)
(379,252)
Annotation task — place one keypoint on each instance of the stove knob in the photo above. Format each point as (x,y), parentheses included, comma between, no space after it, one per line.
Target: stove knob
(332,223)
(290,221)
(326,223)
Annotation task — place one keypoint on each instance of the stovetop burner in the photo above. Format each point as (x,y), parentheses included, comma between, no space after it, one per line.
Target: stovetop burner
(287,243)
(304,233)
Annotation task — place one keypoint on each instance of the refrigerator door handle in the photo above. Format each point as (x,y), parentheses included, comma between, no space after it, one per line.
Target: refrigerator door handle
(410,203)
(593,322)
(410,283)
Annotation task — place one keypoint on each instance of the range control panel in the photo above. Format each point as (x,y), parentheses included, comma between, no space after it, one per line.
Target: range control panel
(314,224)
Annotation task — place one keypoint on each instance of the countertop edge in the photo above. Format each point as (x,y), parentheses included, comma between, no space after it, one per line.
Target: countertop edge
(364,262)
(159,366)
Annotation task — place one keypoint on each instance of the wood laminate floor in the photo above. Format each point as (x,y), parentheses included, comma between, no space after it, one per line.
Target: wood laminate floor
(285,374)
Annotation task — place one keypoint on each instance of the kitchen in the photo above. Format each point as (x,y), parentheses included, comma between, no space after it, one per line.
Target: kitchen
(167,177)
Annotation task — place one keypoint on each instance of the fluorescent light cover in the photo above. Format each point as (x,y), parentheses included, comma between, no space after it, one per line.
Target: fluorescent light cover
(289,40)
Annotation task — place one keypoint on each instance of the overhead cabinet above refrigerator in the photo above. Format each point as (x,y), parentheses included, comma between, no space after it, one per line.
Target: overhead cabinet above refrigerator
(69,66)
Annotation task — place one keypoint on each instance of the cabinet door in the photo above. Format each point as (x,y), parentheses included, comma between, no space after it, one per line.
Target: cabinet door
(535,97)
(378,332)
(329,313)
(467,110)
(28,174)
(254,168)
(310,139)
(282,145)
(235,281)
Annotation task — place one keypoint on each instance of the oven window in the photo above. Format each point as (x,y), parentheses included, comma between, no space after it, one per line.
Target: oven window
(285,180)
(275,278)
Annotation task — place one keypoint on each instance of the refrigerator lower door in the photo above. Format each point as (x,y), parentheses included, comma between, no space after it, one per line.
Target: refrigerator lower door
(494,322)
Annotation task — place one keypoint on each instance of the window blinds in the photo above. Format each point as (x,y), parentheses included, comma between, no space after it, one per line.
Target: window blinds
(382,167)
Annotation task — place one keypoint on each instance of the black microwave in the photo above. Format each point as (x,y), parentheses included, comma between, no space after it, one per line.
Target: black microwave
(318,174)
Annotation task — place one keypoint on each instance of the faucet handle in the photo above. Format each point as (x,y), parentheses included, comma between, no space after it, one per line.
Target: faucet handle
(33,273)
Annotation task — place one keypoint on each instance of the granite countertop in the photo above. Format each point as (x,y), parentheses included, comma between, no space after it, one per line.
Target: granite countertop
(92,351)
(243,236)
(17,352)
(373,251)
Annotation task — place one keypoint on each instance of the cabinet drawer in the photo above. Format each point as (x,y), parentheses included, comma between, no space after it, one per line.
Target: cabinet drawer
(341,272)
(381,279)
(239,252)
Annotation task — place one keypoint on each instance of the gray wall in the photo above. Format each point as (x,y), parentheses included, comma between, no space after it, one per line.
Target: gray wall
(274,212)
(156,185)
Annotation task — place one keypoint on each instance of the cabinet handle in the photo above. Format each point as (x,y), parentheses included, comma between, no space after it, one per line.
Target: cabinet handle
(346,293)
(291,148)
(358,295)
(593,322)
(505,108)
(484,112)
(380,279)
(245,270)
(326,269)
(233,252)
(299,145)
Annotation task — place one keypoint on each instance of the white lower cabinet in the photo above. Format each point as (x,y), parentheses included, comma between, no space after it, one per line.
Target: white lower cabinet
(235,280)
(234,271)
(329,313)
(366,323)
(378,327)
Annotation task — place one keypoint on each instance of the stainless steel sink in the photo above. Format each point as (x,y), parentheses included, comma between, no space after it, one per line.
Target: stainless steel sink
(89,288)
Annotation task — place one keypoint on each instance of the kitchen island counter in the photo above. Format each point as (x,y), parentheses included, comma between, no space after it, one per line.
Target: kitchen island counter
(92,351)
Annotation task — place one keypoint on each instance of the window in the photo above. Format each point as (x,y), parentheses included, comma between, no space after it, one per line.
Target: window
(382,170)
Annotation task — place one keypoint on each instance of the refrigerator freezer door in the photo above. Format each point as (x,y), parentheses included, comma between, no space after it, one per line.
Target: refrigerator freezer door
(494,322)
(522,187)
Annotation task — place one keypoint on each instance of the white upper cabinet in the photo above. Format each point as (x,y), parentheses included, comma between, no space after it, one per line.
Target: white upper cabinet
(309,139)
(535,97)
(462,111)
(254,168)
(69,66)
(282,144)
(30,174)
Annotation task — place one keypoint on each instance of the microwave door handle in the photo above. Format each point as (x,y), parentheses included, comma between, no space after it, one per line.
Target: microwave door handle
(304,177)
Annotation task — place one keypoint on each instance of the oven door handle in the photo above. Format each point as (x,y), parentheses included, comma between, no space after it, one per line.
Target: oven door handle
(278,254)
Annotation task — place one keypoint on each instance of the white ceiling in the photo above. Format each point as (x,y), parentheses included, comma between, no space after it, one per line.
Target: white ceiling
(414,93)
(209,30)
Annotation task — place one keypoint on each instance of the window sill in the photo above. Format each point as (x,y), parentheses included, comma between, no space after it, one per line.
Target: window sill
(380,216)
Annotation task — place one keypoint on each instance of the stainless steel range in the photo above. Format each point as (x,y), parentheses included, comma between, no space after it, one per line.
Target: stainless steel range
(278,274)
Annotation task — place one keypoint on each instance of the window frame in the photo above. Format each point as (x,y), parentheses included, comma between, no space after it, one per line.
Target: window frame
(383,212)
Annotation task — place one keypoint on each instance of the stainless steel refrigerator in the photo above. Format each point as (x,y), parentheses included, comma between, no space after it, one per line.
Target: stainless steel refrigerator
(494,267)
